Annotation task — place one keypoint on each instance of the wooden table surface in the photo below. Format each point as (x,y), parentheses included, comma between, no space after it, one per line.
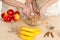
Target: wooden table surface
(53,21)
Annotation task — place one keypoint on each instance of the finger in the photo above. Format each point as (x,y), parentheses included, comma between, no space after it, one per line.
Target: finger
(38,13)
(24,11)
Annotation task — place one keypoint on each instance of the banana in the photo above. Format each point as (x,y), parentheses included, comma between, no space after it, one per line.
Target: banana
(28,29)
(24,37)
(27,33)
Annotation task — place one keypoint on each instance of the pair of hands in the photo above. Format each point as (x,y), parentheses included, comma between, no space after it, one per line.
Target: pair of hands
(27,11)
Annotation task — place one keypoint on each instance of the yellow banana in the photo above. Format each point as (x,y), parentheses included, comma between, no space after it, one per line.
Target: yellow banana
(38,31)
(28,33)
(24,37)
(27,29)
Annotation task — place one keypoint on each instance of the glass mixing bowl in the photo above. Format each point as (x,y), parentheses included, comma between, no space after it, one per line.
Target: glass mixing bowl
(33,20)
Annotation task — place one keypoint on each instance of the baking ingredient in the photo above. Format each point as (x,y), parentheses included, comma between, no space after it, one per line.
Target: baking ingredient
(49,33)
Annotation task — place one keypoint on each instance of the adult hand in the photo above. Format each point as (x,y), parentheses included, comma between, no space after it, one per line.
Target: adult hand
(35,8)
(42,11)
(36,11)
(27,11)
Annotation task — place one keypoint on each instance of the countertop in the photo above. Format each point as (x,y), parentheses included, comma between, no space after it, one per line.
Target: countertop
(53,21)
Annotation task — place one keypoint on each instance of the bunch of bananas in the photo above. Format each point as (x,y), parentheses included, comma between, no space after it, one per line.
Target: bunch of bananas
(27,33)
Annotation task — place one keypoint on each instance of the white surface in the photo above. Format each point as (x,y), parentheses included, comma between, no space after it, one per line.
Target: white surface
(0,7)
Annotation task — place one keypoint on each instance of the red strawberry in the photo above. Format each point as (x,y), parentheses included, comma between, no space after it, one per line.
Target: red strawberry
(7,18)
(2,15)
(10,12)
(17,12)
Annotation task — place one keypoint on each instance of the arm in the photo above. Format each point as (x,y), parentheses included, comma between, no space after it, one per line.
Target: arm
(18,4)
(14,3)
(35,8)
(28,1)
(34,5)
(46,5)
